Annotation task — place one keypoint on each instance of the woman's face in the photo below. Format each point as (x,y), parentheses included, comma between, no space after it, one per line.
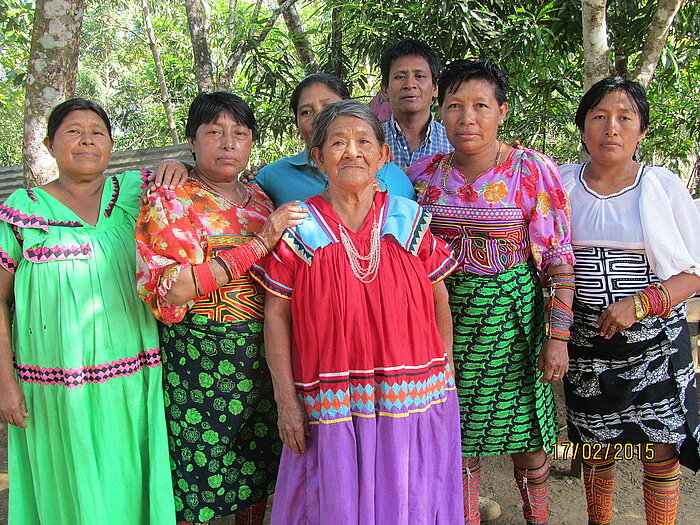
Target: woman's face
(222,148)
(351,154)
(312,100)
(612,129)
(81,145)
(471,116)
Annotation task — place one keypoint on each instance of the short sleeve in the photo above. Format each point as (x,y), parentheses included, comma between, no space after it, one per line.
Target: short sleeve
(129,187)
(276,271)
(545,205)
(167,243)
(437,257)
(418,171)
(10,246)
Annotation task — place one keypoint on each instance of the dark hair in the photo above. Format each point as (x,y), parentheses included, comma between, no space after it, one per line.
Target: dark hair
(634,90)
(459,71)
(60,112)
(407,47)
(333,83)
(344,108)
(207,106)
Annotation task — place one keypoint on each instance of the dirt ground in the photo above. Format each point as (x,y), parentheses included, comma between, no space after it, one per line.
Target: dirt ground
(567,503)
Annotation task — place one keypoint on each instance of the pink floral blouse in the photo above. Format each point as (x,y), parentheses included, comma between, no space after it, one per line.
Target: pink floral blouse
(515,211)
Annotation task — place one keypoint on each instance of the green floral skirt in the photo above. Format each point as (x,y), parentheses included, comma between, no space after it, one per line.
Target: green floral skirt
(222,422)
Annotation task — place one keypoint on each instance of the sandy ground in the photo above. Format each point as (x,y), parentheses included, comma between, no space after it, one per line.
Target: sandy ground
(567,503)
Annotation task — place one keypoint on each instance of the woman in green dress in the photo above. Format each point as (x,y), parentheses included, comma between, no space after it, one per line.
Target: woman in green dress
(83,398)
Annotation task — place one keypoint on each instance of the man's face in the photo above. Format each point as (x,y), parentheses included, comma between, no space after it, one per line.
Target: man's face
(410,87)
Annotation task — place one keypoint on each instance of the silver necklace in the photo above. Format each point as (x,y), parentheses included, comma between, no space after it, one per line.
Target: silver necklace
(364,267)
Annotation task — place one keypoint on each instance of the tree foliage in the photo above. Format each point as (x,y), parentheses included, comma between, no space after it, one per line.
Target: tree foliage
(538,43)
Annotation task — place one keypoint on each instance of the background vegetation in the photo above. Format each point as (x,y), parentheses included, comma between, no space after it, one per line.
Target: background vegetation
(253,53)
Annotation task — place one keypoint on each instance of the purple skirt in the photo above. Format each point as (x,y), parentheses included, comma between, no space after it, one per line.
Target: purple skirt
(376,471)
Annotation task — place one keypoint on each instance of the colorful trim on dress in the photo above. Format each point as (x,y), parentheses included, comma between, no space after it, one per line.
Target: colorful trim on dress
(7,262)
(32,197)
(446,267)
(76,377)
(23,220)
(406,221)
(274,287)
(485,240)
(113,199)
(58,253)
(389,392)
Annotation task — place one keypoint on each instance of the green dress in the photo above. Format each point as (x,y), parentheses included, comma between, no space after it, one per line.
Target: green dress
(88,361)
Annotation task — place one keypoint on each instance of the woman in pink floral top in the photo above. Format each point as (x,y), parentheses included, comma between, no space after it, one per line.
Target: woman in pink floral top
(505,213)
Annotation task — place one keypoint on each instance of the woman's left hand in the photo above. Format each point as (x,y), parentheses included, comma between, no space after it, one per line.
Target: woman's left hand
(169,174)
(553,361)
(616,317)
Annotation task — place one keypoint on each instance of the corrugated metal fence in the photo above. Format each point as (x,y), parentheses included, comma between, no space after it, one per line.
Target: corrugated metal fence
(139,159)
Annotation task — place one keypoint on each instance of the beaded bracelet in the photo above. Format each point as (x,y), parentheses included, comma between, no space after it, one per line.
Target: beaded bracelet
(560,319)
(654,300)
(206,279)
(197,288)
(563,281)
(224,266)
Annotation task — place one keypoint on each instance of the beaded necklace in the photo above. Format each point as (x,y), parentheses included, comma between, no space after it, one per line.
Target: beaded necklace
(246,191)
(368,273)
(446,167)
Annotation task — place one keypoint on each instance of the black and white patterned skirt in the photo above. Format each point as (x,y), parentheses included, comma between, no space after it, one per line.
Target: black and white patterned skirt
(636,387)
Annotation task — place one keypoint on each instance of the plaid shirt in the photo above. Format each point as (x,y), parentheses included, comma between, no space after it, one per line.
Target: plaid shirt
(435,142)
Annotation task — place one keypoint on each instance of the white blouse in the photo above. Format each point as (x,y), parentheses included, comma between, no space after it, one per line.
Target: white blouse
(655,214)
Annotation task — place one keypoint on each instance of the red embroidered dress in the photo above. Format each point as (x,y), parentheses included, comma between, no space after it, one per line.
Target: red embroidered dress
(370,368)
(87,357)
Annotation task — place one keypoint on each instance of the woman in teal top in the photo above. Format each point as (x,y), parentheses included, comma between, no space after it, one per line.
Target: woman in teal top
(296,177)
(83,398)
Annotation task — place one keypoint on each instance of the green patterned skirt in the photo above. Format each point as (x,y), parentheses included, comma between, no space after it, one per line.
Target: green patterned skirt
(222,421)
(498,333)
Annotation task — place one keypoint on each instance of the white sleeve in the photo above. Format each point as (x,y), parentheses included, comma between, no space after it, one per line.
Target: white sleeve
(671,223)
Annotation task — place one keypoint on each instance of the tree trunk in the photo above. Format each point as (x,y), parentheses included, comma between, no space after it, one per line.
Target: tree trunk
(198,23)
(165,97)
(51,73)
(336,58)
(658,31)
(298,37)
(596,52)
(243,45)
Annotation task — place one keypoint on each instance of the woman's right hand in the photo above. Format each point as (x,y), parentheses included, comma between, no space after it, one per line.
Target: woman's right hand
(13,408)
(293,425)
(286,216)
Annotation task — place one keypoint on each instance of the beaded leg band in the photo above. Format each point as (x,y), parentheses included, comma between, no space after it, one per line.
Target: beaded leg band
(533,485)
(661,487)
(471,484)
(599,482)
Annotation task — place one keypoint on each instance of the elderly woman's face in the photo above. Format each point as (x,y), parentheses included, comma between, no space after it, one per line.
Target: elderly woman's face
(311,101)
(222,147)
(351,154)
(471,116)
(81,145)
(612,129)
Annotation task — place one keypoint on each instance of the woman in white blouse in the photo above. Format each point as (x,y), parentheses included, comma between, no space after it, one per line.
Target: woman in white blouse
(630,389)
